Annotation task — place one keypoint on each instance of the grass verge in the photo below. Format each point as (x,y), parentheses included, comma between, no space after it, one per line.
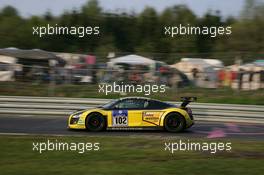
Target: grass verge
(127,155)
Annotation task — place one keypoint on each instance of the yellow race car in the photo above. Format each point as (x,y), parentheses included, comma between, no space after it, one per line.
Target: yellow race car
(135,112)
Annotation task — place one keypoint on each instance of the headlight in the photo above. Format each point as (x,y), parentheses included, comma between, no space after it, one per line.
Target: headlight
(75,118)
(77,114)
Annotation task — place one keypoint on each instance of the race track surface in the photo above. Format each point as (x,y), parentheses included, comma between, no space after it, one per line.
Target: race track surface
(55,125)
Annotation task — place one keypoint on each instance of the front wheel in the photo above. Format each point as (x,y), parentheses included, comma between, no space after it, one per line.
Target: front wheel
(174,122)
(95,122)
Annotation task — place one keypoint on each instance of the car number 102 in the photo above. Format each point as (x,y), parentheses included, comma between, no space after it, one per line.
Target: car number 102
(120,120)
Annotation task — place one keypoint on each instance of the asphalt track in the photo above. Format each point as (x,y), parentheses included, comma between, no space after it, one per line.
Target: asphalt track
(57,125)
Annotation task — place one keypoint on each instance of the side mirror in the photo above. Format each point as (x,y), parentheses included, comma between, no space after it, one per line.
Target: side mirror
(114,107)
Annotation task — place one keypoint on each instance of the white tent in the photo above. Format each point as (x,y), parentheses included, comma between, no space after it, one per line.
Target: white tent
(6,70)
(187,64)
(207,69)
(132,60)
(7,59)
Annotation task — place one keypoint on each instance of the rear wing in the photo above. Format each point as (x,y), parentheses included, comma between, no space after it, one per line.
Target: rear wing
(187,100)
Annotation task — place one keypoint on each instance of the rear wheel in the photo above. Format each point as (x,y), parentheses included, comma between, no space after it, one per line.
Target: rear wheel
(95,122)
(174,122)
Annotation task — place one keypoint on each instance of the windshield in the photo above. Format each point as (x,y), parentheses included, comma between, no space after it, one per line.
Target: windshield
(109,104)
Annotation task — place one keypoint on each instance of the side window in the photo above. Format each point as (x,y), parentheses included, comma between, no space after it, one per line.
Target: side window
(157,105)
(130,104)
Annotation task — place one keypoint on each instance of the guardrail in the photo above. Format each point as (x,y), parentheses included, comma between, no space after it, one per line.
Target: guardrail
(56,106)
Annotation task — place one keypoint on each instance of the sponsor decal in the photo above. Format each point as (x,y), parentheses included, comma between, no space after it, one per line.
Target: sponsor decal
(152,116)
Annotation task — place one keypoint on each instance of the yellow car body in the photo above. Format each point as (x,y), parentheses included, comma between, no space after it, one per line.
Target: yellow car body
(130,118)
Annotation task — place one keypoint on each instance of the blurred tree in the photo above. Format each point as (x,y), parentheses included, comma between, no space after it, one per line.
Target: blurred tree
(205,43)
(90,15)
(246,40)
(148,31)
(142,33)
(172,47)
(9,11)
(249,9)
(91,8)
(10,23)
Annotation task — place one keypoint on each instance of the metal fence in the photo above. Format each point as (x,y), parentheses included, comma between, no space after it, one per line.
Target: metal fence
(62,107)
(249,80)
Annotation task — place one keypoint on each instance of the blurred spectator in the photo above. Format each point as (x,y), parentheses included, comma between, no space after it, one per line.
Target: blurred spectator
(262,79)
(195,76)
(240,78)
(221,77)
(250,77)
(233,76)
(164,73)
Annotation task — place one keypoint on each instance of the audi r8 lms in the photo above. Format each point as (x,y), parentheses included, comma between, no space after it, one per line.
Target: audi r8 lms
(135,112)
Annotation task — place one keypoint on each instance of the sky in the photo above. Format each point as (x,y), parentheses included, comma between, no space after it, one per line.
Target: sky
(39,7)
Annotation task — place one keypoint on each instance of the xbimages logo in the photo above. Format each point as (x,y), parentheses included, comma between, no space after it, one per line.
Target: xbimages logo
(55,145)
(79,31)
(212,31)
(212,147)
(147,89)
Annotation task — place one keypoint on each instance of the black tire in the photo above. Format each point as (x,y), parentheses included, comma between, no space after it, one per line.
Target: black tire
(174,122)
(95,122)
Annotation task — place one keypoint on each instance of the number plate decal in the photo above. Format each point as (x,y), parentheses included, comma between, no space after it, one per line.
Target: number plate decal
(120,118)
